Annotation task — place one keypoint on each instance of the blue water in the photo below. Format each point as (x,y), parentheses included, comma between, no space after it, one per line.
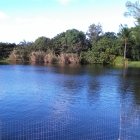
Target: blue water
(66,102)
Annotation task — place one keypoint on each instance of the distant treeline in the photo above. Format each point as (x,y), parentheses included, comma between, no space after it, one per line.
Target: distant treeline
(6,49)
(94,46)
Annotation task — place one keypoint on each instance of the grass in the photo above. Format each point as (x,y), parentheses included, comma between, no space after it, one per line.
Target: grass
(134,64)
(119,62)
(4,61)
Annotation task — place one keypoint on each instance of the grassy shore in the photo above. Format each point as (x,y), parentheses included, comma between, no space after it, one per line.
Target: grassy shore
(135,64)
(4,61)
(119,62)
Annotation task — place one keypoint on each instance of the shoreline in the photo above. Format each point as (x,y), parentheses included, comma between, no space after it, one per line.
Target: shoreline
(130,64)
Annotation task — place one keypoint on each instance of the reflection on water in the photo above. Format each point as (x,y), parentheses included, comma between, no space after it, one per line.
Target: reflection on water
(130,105)
(69,102)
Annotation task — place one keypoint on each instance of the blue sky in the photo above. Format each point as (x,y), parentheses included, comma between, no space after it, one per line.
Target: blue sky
(29,19)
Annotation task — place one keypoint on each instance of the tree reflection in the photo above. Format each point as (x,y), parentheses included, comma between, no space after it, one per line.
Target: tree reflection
(130,104)
(93,90)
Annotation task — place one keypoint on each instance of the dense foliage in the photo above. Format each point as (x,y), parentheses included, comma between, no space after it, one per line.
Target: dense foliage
(71,41)
(103,51)
(5,49)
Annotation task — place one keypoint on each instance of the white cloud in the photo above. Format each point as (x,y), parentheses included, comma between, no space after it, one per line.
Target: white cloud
(16,29)
(3,15)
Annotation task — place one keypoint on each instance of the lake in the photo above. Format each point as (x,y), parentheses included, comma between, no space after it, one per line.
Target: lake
(69,103)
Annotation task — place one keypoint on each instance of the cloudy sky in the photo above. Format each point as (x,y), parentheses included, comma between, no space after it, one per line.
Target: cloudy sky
(28,19)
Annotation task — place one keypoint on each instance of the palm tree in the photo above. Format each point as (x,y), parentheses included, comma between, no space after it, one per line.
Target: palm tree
(125,34)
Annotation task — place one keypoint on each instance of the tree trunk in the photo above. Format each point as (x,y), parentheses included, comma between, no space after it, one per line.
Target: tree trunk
(125,49)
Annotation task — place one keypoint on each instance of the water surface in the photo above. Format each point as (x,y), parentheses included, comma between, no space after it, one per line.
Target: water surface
(69,103)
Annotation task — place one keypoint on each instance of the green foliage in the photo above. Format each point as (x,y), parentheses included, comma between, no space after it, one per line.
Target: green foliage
(103,51)
(42,43)
(133,9)
(94,32)
(124,34)
(59,43)
(92,57)
(135,31)
(134,64)
(72,41)
(6,49)
(118,61)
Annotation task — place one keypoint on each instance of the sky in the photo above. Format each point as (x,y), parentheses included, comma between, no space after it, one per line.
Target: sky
(29,19)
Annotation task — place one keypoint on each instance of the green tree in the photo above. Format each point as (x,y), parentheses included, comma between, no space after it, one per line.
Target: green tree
(94,32)
(42,43)
(6,49)
(125,35)
(103,51)
(25,43)
(134,44)
(133,9)
(72,41)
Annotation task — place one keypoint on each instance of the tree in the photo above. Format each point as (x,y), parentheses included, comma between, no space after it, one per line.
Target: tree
(103,51)
(76,40)
(59,43)
(134,43)
(94,32)
(124,34)
(42,43)
(6,49)
(72,41)
(110,35)
(133,10)
(25,43)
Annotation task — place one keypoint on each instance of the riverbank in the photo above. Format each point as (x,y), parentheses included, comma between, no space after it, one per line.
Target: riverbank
(118,62)
(135,64)
(4,61)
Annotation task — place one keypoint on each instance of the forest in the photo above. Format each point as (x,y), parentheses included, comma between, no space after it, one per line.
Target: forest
(74,46)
